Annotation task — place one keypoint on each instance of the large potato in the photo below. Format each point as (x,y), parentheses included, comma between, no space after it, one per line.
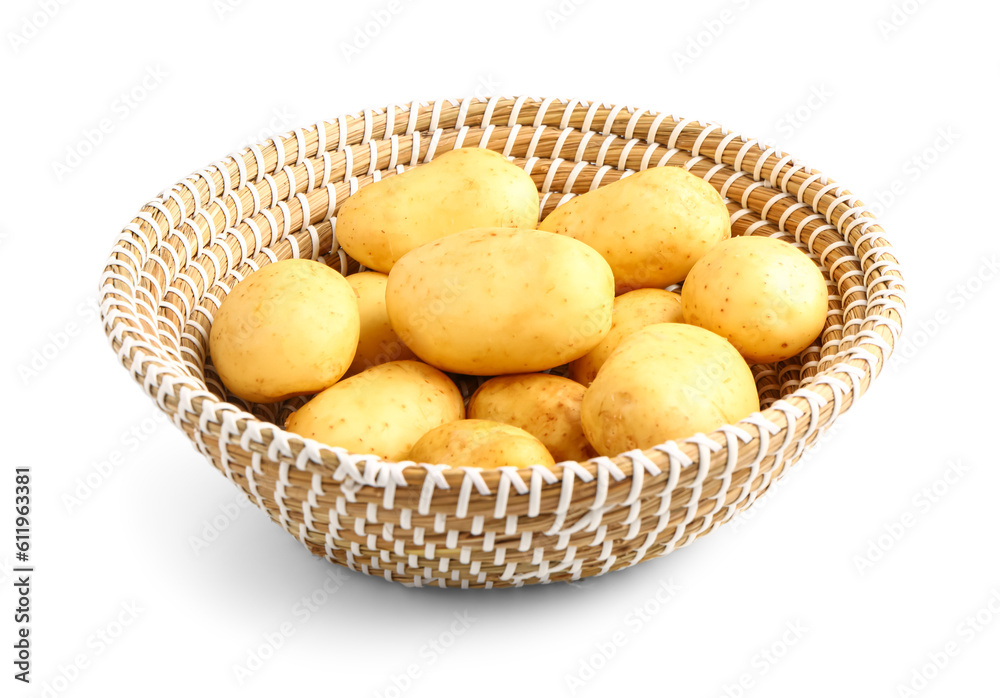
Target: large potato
(492,301)
(480,443)
(461,189)
(651,227)
(545,406)
(290,328)
(632,311)
(762,294)
(378,343)
(666,381)
(382,410)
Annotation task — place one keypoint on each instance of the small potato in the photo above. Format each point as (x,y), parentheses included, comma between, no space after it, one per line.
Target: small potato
(545,406)
(382,410)
(378,343)
(632,311)
(289,329)
(460,189)
(666,381)
(480,443)
(651,227)
(491,301)
(762,294)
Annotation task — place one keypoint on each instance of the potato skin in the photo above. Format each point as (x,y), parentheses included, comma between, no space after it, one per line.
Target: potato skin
(382,410)
(480,443)
(492,301)
(545,406)
(290,328)
(651,227)
(632,311)
(460,189)
(666,381)
(762,294)
(378,343)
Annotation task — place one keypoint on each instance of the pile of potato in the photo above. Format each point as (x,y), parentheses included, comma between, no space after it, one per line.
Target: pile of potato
(462,279)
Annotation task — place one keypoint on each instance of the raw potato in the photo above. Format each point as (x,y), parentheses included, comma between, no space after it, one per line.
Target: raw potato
(762,294)
(378,343)
(632,311)
(667,381)
(545,406)
(651,227)
(289,329)
(461,189)
(493,301)
(382,410)
(480,443)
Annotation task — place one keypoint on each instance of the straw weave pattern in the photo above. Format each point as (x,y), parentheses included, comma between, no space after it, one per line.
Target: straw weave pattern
(435,525)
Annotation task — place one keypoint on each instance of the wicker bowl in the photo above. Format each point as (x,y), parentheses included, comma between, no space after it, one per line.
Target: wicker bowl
(465,527)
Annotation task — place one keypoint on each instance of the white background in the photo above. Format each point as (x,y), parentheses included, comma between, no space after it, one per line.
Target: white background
(883,96)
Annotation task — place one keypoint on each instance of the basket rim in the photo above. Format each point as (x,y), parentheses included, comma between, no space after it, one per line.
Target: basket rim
(794,417)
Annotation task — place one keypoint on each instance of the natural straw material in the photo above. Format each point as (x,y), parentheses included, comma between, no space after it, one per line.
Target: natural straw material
(422,524)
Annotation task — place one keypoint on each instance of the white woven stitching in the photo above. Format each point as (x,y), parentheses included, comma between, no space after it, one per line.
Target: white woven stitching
(633,122)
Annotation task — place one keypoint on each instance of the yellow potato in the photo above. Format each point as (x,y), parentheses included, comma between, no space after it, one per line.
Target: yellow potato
(382,410)
(651,227)
(378,343)
(632,311)
(289,329)
(461,189)
(545,406)
(492,301)
(667,381)
(762,294)
(480,443)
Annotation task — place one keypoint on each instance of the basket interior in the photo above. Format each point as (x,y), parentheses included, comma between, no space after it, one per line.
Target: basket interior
(186,249)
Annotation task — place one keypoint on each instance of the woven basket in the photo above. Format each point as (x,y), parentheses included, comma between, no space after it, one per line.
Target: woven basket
(465,527)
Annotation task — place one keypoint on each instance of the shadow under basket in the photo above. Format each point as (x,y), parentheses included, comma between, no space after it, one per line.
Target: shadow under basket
(466,527)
